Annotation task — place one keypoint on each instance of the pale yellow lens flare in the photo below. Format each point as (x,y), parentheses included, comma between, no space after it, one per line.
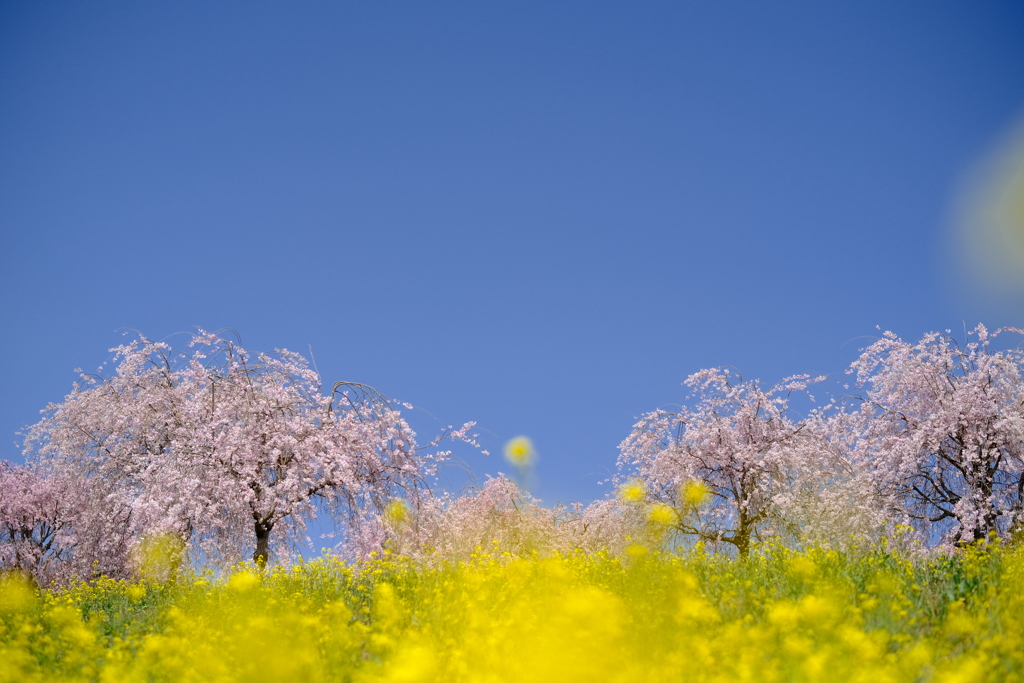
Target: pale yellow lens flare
(990,218)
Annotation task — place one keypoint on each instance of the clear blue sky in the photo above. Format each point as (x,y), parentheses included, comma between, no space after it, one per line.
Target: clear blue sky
(540,216)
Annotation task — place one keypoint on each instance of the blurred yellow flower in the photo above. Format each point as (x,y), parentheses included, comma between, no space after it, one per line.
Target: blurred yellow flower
(16,592)
(243,582)
(803,567)
(662,514)
(519,451)
(397,512)
(694,493)
(636,550)
(633,491)
(136,592)
(158,556)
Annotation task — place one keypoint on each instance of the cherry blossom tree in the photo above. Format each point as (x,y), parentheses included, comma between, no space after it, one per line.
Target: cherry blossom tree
(737,444)
(940,427)
(231,451)
(34,522)
(54,528)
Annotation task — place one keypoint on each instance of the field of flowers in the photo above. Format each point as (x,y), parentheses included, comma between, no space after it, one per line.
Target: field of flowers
(782,615)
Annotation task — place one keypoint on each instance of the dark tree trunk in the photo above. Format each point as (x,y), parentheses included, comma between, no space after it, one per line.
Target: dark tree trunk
(262,553)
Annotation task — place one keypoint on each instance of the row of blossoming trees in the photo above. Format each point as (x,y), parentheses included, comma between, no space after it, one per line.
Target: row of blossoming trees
(229,454)
(927,450)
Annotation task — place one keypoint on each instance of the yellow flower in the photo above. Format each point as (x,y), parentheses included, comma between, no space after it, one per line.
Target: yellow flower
(136,592)
(662,514)
(243,582)
(803,567)
(633,491)
(694,493)
(636,551)
(519,451)
(158,556)
(397,512)
(16,593)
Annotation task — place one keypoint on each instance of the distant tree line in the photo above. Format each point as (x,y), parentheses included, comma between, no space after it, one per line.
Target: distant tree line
(230,454)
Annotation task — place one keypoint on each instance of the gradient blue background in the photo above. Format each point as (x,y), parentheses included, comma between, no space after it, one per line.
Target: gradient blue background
(540,216)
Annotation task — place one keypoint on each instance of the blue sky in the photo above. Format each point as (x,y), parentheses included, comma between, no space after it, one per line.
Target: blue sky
(538,216)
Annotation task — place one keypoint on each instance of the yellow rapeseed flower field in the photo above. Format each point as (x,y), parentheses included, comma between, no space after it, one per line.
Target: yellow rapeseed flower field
(781,615)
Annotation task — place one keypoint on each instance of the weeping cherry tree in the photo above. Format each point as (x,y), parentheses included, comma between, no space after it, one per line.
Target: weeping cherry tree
(720,464)
(230,451)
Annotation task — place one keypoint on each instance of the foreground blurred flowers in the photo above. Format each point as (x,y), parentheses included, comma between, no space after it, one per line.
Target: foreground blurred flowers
(818,615)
